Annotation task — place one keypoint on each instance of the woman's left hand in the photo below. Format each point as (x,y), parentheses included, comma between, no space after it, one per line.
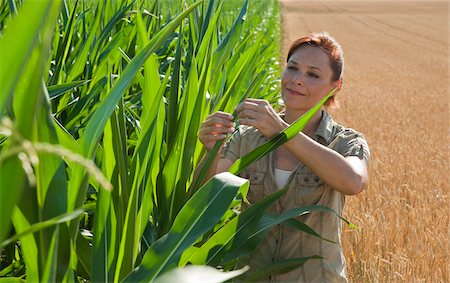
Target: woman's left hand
(260,114)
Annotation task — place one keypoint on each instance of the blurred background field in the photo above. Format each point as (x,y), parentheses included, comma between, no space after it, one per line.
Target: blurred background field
(395,91)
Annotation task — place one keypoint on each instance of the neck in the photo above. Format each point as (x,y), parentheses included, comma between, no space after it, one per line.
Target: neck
(312,125)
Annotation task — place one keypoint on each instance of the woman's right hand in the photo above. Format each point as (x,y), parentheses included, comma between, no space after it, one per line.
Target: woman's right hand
(214,128)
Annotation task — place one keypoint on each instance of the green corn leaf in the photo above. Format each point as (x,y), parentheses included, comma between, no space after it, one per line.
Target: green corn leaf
(64,44)
(201,175)
(52,193)
(12,7)
(105,231)
(198,215)
(121,193)
(126,253)
(81,109)
(233,78)
(51,184)
(56,91)
(231,234)
(84,256)
(28,241)
(63,218)
(112,22)
(11,176)
(173,168)
(49,273)
(229,41)
(205,44)
(151,82)
(266,224)
(151,168)
(291,222)
(192,142)
(98,120)
(174,94)
(82,56)
(26,107)
(17,44)
(281,266)
(152,165)
(65,138)
(207,18)
(11,280)
(279,139)
(104,239)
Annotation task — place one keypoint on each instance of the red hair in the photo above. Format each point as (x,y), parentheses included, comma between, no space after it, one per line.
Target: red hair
(331,47)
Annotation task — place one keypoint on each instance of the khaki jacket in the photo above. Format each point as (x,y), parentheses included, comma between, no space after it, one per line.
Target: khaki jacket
(305,188)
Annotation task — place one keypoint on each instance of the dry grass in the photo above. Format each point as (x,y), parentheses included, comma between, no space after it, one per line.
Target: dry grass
(396,91)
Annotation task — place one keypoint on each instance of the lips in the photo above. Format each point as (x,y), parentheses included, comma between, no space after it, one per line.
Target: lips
(296,93)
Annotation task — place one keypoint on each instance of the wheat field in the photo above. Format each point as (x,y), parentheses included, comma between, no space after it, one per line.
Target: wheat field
(395,91)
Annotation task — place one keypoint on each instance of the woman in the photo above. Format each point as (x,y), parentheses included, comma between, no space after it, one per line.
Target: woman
(321,165)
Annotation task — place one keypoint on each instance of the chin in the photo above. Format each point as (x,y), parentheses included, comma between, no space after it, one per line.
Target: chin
(296,107)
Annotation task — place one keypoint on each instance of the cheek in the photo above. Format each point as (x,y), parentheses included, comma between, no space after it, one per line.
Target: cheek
(318,85)
(284,78)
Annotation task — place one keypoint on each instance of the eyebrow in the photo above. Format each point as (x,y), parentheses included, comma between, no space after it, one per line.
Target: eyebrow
(309,66)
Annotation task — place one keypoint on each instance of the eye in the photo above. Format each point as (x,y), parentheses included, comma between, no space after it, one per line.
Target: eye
(313,75)
(293,68)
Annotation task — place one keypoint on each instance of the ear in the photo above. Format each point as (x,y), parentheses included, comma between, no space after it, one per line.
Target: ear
(337,84)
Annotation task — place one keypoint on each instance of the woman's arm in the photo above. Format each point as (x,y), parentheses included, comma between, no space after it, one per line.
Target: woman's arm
(347,175)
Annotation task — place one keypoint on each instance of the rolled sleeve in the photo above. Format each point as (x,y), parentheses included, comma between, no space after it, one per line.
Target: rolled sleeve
(352,143)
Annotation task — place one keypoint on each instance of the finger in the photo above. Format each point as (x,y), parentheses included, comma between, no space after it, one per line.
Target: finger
(246,105)
(212,130)
(216,128)
(248,122)
(248,113)
(262,102)
(208,139)
(217,137)
(219,122)
(222,115)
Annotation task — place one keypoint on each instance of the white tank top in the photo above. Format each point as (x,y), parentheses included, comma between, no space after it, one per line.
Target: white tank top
(281,177)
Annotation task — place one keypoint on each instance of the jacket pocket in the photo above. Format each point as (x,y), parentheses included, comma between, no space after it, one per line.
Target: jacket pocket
(256,189)
(309,188)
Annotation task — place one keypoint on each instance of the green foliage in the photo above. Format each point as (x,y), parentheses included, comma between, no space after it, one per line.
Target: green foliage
(124,86)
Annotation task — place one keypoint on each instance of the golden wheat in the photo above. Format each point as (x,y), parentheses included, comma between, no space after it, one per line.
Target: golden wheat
(395,92)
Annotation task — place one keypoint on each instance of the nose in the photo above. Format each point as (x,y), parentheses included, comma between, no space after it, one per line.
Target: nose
(298,78)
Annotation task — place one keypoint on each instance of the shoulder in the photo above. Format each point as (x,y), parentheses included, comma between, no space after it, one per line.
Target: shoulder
(338,131)
(347,133)
(349,142)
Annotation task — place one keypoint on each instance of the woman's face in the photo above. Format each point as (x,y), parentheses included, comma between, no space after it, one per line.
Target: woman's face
(307,78)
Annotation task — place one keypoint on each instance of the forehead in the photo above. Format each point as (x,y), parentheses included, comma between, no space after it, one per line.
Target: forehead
(311,55)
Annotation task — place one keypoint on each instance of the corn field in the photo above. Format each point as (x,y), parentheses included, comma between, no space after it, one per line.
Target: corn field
(100,106)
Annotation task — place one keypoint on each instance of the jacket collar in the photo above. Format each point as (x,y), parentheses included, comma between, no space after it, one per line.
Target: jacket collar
(325,128)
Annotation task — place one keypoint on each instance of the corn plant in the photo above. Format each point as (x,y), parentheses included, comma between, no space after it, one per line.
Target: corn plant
(101,102)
